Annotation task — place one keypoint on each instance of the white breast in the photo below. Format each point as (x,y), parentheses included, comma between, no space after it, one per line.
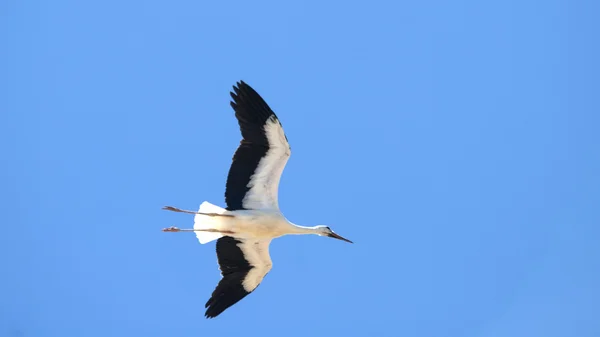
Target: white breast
(260,224)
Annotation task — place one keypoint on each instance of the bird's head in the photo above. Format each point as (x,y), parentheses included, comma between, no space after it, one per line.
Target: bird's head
(326,231)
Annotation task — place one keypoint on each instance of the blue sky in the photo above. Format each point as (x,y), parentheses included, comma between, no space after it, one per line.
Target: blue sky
(455,142)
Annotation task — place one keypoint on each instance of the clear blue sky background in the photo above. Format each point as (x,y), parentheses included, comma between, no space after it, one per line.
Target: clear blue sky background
(456,142)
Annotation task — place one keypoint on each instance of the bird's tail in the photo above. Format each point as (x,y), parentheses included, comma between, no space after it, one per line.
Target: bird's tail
(209,222)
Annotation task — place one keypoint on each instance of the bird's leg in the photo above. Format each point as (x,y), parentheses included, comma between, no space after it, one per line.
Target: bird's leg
(175,229)
(175,209)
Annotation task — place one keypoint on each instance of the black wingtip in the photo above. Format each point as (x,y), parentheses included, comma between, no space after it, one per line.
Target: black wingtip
(249,105)
(237,90)
(240,88)
(239,85)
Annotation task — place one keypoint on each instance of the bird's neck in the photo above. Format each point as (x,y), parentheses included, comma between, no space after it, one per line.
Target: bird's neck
(296,229)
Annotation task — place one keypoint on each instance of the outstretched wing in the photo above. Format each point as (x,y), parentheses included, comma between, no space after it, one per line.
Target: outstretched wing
(243,264)
(258,162)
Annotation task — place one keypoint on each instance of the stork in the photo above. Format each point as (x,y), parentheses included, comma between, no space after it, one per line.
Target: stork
(245,228)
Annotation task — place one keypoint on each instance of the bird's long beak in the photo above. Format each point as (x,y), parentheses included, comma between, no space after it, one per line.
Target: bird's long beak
(335,236)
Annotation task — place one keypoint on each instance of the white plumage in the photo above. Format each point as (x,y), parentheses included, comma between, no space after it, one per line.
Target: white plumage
(202,222)
(264,184)
(252,218)
(256,251)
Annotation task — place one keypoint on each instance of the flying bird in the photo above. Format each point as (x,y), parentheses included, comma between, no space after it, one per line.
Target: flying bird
(244,229)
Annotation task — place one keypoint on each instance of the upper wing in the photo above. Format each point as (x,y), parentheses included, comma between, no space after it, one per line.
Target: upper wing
(243,264)
(253,179)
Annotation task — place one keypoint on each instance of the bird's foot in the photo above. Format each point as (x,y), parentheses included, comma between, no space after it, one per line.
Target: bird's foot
(171,229)
(175,209)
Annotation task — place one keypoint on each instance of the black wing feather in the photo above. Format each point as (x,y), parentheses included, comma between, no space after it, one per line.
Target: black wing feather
(234,268)
(252,113)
